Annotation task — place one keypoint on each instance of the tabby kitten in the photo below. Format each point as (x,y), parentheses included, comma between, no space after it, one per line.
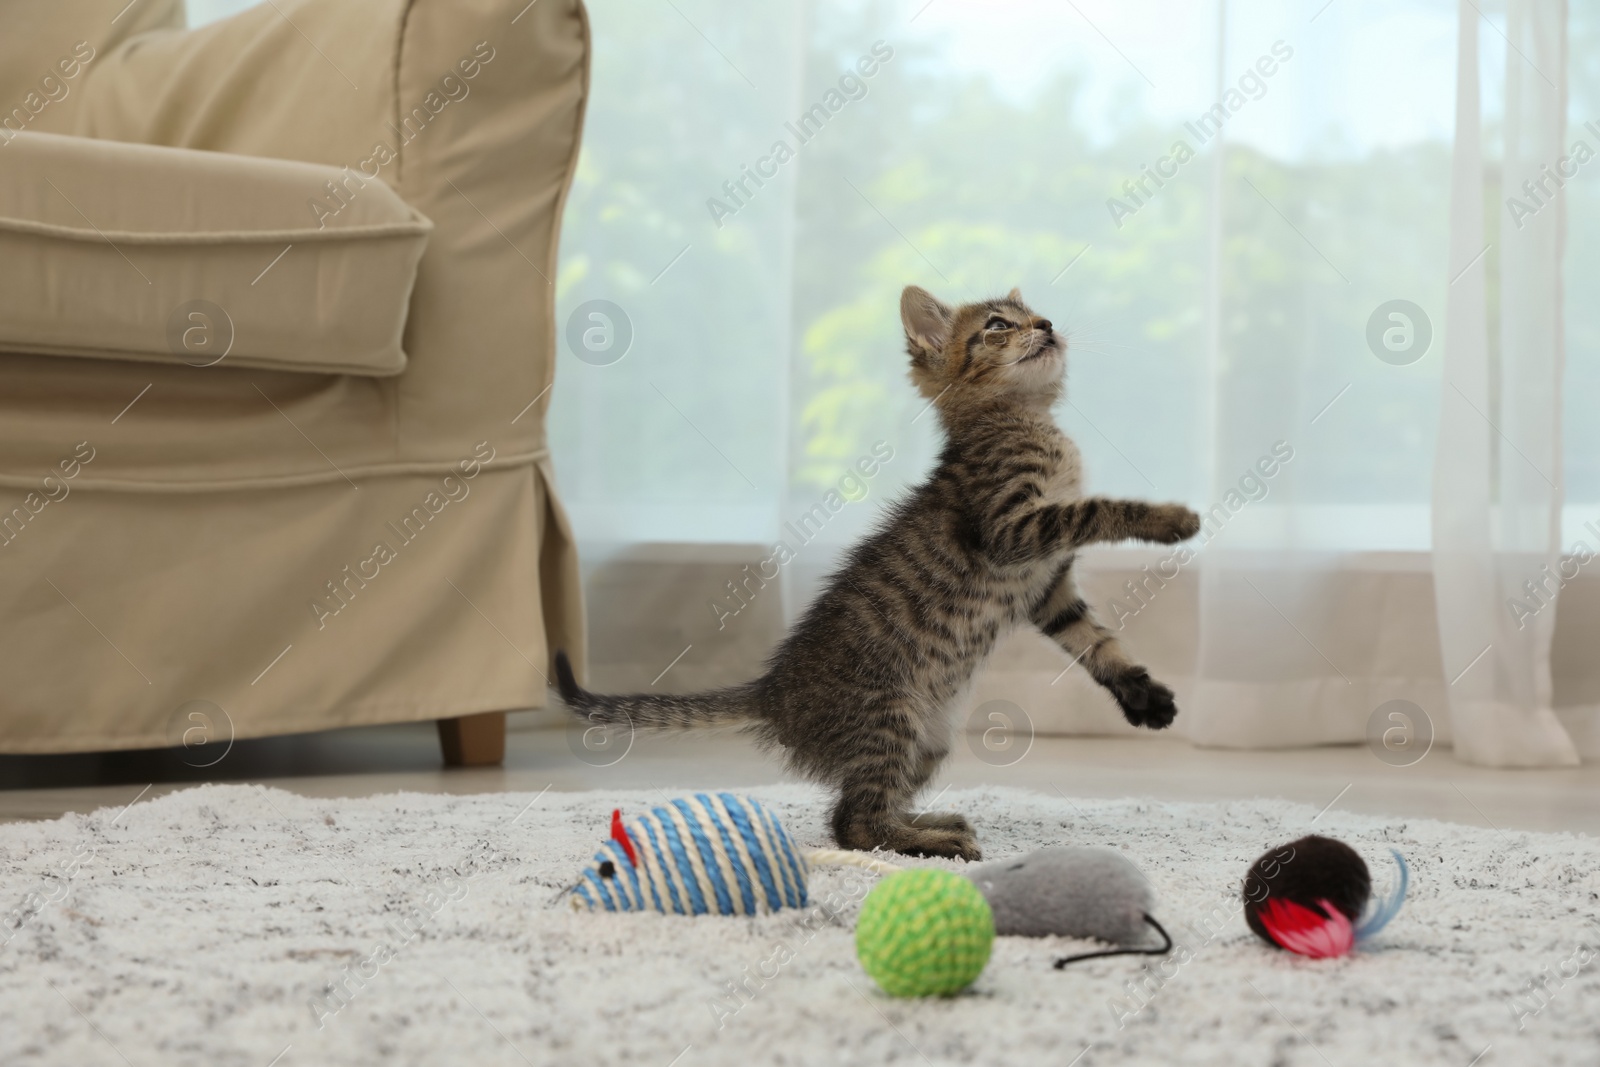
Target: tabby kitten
(859,694)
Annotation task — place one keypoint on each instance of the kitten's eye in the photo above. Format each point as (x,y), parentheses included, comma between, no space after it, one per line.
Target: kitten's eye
(997,323)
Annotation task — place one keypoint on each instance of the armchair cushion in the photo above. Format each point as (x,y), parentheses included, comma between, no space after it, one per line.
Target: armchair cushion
(470,110)
(168,255)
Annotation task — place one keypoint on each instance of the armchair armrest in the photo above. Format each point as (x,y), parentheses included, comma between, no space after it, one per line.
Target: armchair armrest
(114,250)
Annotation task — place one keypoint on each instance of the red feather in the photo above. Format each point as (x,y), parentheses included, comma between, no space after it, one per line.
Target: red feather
(1297,928)
(620,836)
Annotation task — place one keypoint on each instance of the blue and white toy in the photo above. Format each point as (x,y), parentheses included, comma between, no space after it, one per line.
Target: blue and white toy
(709,854)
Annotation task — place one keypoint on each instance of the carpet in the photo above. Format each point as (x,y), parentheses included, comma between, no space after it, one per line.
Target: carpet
(209,926)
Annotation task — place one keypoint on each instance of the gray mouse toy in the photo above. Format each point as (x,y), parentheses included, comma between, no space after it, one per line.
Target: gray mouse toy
(1072,891)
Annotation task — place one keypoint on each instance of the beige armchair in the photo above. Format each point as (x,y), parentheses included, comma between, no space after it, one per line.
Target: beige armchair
(276,346)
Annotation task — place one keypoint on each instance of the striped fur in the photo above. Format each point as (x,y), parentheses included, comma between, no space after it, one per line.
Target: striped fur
(706,854)
(858,695)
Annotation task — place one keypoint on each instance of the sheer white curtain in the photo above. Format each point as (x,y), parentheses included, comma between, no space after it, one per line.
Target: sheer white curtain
(1256,219)
(1313,607)
(1497,498)
(1298,646)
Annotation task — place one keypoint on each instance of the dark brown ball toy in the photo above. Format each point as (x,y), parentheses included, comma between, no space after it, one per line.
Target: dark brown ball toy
(1307,872)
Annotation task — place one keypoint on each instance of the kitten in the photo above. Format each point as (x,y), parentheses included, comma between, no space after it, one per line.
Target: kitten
(859,694)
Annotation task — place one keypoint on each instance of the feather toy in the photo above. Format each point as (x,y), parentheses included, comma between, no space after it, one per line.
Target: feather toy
(1314,897)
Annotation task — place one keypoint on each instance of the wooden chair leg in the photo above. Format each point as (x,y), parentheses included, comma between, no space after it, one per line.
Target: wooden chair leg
(474,740)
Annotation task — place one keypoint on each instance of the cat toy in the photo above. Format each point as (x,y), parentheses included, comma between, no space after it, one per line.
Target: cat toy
(924,933)
(929,932)
(1073,891)
(708,854)
(723,854)
(1314,897)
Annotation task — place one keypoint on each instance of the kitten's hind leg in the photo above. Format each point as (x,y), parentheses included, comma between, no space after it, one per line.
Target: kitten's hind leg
(928,759)
(861,820)
(875,788)
(1066,619)
(941,820)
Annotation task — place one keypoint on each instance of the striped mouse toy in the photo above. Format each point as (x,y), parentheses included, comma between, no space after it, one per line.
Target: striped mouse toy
(708,854)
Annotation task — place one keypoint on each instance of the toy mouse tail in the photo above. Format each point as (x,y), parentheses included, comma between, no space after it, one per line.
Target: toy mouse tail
(1162,951)
(843,857)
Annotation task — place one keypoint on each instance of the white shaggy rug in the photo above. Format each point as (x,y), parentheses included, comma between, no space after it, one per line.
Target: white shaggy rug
(206,927)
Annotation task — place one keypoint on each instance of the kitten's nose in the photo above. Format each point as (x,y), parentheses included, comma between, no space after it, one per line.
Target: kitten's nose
(1042,324)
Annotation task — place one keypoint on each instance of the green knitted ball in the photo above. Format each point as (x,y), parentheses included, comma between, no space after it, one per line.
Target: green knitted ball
(924,933)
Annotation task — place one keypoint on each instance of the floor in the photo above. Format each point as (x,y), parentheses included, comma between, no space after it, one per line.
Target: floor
(406,757)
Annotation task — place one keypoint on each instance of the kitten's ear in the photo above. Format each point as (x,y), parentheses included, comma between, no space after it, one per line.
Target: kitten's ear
(1015,295)
(925,317)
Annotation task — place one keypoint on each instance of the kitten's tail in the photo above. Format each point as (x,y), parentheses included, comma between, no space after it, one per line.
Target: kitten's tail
(655,710)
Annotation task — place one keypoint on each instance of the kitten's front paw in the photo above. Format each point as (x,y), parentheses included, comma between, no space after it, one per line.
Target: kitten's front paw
(1170,523)
(1144,701)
